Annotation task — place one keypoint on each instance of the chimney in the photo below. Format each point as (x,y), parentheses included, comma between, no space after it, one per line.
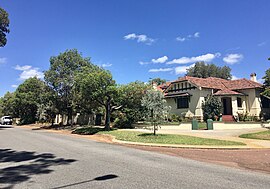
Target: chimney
(154,85)
(253,77)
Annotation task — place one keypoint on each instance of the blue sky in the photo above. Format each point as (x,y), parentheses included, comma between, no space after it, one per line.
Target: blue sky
(136,39)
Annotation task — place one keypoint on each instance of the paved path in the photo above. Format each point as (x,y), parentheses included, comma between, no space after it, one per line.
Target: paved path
(41,159)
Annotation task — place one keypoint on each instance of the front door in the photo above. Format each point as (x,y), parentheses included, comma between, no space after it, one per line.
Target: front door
(227,105)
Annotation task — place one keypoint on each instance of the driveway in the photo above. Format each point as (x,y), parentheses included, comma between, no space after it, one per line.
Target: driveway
(40,159)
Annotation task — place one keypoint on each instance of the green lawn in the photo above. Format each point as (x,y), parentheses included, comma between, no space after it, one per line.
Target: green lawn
(134,136)
(263,135)
(202,125)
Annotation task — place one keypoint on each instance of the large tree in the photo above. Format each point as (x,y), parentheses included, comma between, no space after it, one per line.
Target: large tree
(28,96)
(130,97)
(7,104)
(157,80)
(266,83)
(4,27)
(98,87)
(203,70)
(61,78)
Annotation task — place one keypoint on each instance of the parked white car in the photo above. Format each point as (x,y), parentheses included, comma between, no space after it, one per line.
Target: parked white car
(6,120)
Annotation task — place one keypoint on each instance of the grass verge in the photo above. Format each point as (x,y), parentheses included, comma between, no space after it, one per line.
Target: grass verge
(134,136)
(263,135)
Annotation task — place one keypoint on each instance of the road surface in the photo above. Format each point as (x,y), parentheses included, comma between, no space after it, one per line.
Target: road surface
(41,159)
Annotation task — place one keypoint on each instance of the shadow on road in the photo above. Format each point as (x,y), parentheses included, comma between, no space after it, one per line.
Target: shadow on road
(101,178)
(26,164)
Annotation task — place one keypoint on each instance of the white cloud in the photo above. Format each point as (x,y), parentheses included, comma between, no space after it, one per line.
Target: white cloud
(106,65)
(233,58)
(140,38)
(161,70)
(160,60)
(233,49)
(14,86)
(234,77)
(3,60)
(185,60)
(144,63)
(181,39)
(182,69)
(29,71)
(262,43)
(260,81)
(23,68)
(188,37)
(197,34)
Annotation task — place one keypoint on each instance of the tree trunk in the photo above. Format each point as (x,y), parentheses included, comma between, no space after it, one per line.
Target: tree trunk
(108,114)
(154,128)
(69,120)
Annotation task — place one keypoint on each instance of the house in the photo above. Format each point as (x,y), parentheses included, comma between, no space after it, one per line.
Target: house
(186,95)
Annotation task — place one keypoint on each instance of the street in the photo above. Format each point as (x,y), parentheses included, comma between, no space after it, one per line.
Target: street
(41,159)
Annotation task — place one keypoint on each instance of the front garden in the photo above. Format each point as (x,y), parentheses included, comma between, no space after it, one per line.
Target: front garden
(263,135)
(134,136)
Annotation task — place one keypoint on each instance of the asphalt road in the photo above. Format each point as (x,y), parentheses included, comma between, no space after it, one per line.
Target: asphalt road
(42,159)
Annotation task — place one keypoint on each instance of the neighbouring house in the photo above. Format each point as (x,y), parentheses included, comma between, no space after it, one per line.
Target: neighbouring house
(186,95)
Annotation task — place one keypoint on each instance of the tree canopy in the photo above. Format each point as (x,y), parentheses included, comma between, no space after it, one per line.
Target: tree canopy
(61,78)
(98,87)
(203,70)
(4,27)
(157,80)
(28,96)
(129,98)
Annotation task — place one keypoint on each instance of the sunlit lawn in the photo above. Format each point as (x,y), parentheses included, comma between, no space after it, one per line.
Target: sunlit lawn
(134,136)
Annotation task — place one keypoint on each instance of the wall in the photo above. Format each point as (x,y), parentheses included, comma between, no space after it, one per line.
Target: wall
(253,104)
(195,103)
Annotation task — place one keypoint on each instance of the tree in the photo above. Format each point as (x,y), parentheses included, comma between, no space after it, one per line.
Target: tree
(7,104)
(157,80)
(28,96)
(204,70)
(130,97)
(266,83)
(211,107)
(156,107)
(98,87)
(4,27)
(60,77)
(267,78)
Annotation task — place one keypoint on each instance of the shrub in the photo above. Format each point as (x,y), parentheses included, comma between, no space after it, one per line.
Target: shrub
(122,122)
(211,107)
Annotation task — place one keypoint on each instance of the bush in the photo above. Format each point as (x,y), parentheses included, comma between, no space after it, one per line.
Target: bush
(211,108)
(122,122)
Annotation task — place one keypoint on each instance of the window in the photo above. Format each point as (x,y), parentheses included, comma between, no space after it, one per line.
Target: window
(182,102)
(239,102)
(182,85)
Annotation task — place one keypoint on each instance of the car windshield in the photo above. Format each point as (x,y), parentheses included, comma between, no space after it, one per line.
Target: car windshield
(7,117)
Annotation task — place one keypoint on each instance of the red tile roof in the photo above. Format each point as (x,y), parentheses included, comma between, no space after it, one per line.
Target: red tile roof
(225,87)
(227,92)
(218,83)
